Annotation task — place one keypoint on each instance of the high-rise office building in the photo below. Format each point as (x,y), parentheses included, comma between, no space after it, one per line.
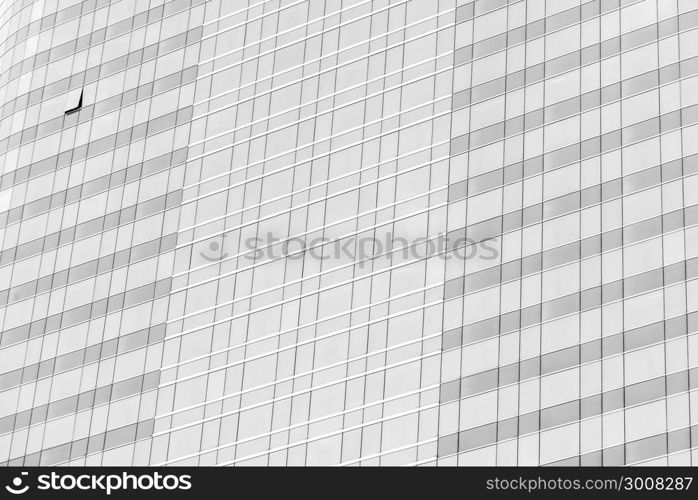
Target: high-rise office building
(357,232)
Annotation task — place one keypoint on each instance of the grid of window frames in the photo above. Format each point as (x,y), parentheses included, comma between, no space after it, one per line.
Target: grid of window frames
(145,144)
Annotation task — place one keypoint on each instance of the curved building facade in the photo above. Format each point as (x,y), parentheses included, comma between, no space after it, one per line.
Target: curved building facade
(348,232)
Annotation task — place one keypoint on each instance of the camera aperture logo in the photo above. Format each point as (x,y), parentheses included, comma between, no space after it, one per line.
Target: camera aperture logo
(18,487)
(106,483)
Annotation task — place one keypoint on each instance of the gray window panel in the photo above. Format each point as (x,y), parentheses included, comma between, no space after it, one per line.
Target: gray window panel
(482,7)
(639,37)
(641,131)
(485,230)
(678,219)
(675,327)
(480,331)
(512,221)
(679,440)
(511,270)
(535,29)
(559,415)
(145,429)
(610,346)
(646,448)
(480,382)
(562,109)
(103,395)
(612,239)
(465,12)
(510,322)
(611,140)
(669,73)
(612,400)
(561,255)
(677,382)
(516,36)
(590,9)
(688,20)
(611,292)
(642,180)
(514,126)
(55,455)
(590,54)
(668,27)
(560,307)
(693,377)
(447,445)
(95,443)
(670,121)
(643,336)
(63,407)
(515,80)
(507,429)
(528,423)
(10,379)
(460,144)
(689,115)
(563,156)
(562,64)
(614,456)
(533,166)
(562,19)
(485,182)
(453,288)
(530,316)
(643,282)
(508,374)
(457,191)
(561,205)
(463,55)
(611,189)
(120,436)
(39,414)
(489,89)
(482,279)
(690,215)
(590,246)
(688,67)
(590,406)
(450,391)
(529,368)
(610,47)
(475,438)
(532,214)
(590,100)
(593,459)
(534,119)
(460,99)
(559,360)
(688,166)
(642,230)
(590,351)
(645,391)
(452,338)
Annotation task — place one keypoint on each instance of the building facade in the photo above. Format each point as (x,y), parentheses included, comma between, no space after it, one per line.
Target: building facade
(356,232)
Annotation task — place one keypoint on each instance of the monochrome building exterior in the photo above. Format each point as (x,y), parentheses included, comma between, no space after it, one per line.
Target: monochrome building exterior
(348,232)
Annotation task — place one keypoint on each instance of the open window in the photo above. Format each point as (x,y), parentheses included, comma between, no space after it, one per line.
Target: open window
(73,101)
